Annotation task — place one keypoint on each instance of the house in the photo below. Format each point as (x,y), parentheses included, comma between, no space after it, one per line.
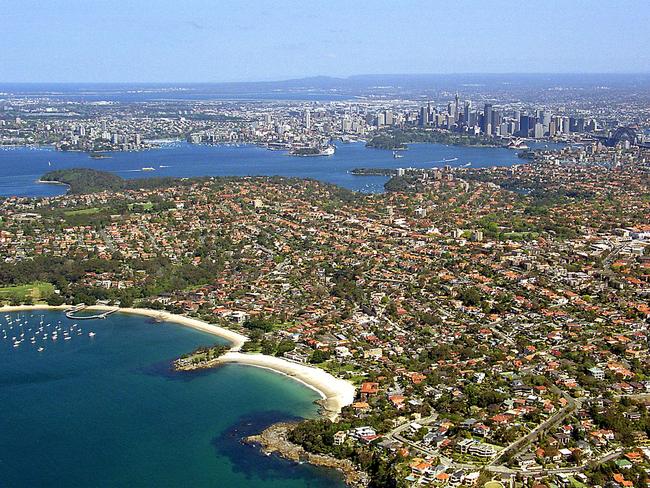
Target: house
(369,389)
(481,429)
(597,373)
(340,437)
(238,317)
(526,460)
(360,432)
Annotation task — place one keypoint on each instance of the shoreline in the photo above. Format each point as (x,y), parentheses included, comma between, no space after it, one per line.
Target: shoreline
(274,439)
(335,393)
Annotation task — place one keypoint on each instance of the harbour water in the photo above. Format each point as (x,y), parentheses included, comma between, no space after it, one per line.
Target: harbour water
(20,168)
(105,410)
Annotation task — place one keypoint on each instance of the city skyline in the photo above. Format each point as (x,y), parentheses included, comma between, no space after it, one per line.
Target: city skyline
(69,41)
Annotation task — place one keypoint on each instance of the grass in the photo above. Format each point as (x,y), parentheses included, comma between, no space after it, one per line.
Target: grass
(575,483)
(35,291)
(82,211)
(145,207)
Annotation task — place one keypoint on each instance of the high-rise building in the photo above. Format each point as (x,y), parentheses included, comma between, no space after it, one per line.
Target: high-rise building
(307,119)
(524,125)
(466,111)
(424,117)
(487,118)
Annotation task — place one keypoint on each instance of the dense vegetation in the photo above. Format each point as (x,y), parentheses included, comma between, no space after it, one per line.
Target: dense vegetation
(318,436)
(200,356)
(64,273)
(86,180)
(397,139)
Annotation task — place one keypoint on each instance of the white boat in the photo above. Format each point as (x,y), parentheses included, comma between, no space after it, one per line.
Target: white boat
(148,168)
(328,151)
(41,349)
(91,334)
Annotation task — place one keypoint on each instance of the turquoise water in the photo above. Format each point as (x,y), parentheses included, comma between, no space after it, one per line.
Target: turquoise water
(107,411)
(20,168)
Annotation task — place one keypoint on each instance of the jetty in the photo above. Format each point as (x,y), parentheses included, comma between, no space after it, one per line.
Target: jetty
(70,313)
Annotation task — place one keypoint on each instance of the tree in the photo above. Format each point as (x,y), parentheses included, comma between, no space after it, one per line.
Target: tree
(319,356)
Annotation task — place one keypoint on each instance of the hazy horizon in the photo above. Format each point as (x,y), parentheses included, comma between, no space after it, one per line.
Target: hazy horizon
(147,41)
(329,77)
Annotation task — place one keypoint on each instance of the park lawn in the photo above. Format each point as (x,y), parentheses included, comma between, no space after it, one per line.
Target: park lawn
(145,207)
(36,291)
(575,483)
(82,211)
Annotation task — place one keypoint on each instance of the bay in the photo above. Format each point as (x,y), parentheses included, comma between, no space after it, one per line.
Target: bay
(21,167)
(107,410)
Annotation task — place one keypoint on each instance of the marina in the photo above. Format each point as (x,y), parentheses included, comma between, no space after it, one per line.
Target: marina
(31,330)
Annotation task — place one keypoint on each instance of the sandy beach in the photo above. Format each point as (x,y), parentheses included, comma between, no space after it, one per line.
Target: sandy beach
(336,393)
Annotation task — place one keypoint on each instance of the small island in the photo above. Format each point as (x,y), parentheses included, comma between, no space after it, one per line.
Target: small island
(201,358)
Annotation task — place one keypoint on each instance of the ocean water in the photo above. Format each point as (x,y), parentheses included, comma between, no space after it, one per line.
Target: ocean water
(20,168)
(107,411)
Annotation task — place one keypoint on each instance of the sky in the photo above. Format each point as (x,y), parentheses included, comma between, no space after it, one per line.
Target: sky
(257,40)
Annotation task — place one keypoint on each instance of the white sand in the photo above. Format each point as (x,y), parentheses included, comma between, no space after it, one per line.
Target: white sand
(336,393)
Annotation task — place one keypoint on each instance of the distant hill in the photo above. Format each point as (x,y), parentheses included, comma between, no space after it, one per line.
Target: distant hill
(527,86)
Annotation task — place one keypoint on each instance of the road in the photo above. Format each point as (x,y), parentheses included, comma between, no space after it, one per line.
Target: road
(518,445)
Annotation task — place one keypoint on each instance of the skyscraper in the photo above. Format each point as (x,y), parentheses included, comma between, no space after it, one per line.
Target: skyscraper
(524,125)
(424,117)
(487,119)
(468,107)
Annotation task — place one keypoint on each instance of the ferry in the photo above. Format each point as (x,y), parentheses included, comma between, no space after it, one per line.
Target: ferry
(148,168)
(98,155)
(397,155)
(328,151)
